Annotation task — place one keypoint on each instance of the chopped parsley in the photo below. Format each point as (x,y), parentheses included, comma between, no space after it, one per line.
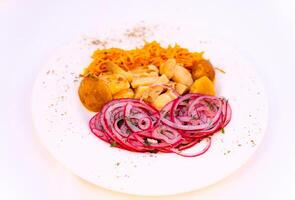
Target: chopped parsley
(209,104)
(114,144)
(132,122)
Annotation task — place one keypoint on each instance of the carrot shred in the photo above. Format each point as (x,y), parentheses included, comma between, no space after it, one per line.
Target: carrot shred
(150,53)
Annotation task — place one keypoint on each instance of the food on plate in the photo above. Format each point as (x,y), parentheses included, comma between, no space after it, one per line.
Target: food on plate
(94,93)
(143,81)
(203,85)
(203,68)
(145,71)
(168,68)
(115,69)
(181,88)
(182,75)
(115,82)
(161,100)
(127,93)
(133,73)
(141,92)
(182,123)
(152,53)
(153,99)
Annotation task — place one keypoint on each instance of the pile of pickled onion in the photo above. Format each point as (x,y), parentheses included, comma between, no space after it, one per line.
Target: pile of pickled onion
(136,126)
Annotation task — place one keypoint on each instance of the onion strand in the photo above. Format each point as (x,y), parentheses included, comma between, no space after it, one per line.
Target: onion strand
(136,126)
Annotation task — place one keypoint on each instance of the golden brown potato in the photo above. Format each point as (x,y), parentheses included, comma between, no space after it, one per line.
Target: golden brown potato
(181,88)
(168,68)
(163,99)
(94,93)
(126,93)
(171,84)
(115,69)
(153,68)
(116,82)
(145,71)
(203,68)
(141,92)
(145,74)
(172,94)
(162,80)
(153,93)
(182,75)
(144,81)
(204,86)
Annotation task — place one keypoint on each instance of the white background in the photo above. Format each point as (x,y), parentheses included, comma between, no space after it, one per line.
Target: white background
(31,30)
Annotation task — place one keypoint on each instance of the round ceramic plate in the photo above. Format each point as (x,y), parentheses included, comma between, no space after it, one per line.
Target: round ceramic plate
(61,121)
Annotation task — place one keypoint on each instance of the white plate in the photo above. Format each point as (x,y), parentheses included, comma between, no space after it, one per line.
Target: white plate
(62,122)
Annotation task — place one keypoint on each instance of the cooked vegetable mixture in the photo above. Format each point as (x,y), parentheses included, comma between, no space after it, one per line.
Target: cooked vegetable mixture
(154,74)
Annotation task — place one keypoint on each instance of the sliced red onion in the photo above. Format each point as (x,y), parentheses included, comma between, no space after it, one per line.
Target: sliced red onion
(194,154)
(136,126)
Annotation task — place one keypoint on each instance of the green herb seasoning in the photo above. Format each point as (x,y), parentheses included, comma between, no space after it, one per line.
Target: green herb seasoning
(114,144)
(209,104)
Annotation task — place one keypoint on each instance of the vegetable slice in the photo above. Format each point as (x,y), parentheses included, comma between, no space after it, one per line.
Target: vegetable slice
(136,126)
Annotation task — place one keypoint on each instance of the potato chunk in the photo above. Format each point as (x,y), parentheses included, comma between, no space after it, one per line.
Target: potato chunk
(141,91)
(163,99)
(145,71)
(171,84)
(162,80)
(181,88)
(182,75)
(144,81)
(203,85)
(126,93)
(94,93)
(153,93)
(168,68)
(203,68)
(172,94)
(115,69)
(116,82)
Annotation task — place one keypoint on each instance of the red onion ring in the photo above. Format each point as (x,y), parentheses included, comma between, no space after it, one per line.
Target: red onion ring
(184,122)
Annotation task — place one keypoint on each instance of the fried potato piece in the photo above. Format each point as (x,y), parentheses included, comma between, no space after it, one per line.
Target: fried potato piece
(203,68)
(172,94)
(181,88)
(126,93)
(116,82)
(94,93)
(171,84)
(153,93)
(162,80)
(163,99)
(168,68)
(144,81)
(145,71)
(115,69)
(141,92)
(203,85)
(182,75)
